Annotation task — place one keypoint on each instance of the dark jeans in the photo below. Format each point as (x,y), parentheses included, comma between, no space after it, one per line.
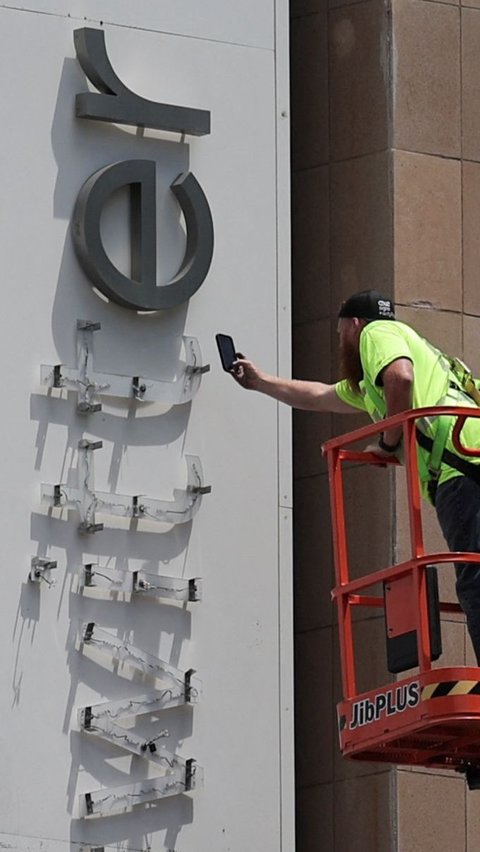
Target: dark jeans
(458,511)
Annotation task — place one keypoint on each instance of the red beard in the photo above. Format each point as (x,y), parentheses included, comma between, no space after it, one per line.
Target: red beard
(350,365)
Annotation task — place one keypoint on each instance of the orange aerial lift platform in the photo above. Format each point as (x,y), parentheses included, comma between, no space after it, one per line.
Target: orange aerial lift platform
(426,716)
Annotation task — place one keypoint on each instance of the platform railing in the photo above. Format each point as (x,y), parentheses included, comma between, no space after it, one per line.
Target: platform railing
(349,593)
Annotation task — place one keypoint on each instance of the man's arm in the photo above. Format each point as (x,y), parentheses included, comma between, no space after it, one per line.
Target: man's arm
(309,396)
(397,380)
(398,386)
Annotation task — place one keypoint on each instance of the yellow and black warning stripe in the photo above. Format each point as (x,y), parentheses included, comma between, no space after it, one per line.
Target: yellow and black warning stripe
(450,687)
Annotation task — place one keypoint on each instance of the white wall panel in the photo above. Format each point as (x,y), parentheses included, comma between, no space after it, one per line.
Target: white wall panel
(233,638)
(250,22)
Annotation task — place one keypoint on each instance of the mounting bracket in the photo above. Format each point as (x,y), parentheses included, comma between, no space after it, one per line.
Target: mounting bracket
(127,739)
(102,640)
(89,385)
(40,568)
(108,801)
(180,774)
(92,576)
(87,501)
(138,705)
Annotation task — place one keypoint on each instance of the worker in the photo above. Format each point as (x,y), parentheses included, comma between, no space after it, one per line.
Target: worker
(387,368)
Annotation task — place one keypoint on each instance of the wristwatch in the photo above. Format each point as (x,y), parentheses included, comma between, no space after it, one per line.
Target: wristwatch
(388,448)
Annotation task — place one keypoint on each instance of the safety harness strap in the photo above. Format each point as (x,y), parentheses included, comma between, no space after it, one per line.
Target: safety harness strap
(437,445)
(462,465)
(438,454)
(374,395)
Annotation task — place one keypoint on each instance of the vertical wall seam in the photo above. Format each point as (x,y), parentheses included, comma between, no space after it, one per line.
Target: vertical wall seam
(460,17)
(393,786)
(278,439)
(331,378)
(462,331)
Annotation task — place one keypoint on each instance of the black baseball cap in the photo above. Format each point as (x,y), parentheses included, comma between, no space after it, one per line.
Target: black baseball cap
(368,305)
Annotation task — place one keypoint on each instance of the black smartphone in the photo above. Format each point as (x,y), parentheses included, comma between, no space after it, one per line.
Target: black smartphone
(226,348)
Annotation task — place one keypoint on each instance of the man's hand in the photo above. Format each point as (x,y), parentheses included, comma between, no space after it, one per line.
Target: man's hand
(246,373)
(377,451)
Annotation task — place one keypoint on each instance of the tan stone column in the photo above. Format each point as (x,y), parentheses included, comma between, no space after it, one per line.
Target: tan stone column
(386,189)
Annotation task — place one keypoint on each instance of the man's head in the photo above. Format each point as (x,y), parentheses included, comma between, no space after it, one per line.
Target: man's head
(353,316)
